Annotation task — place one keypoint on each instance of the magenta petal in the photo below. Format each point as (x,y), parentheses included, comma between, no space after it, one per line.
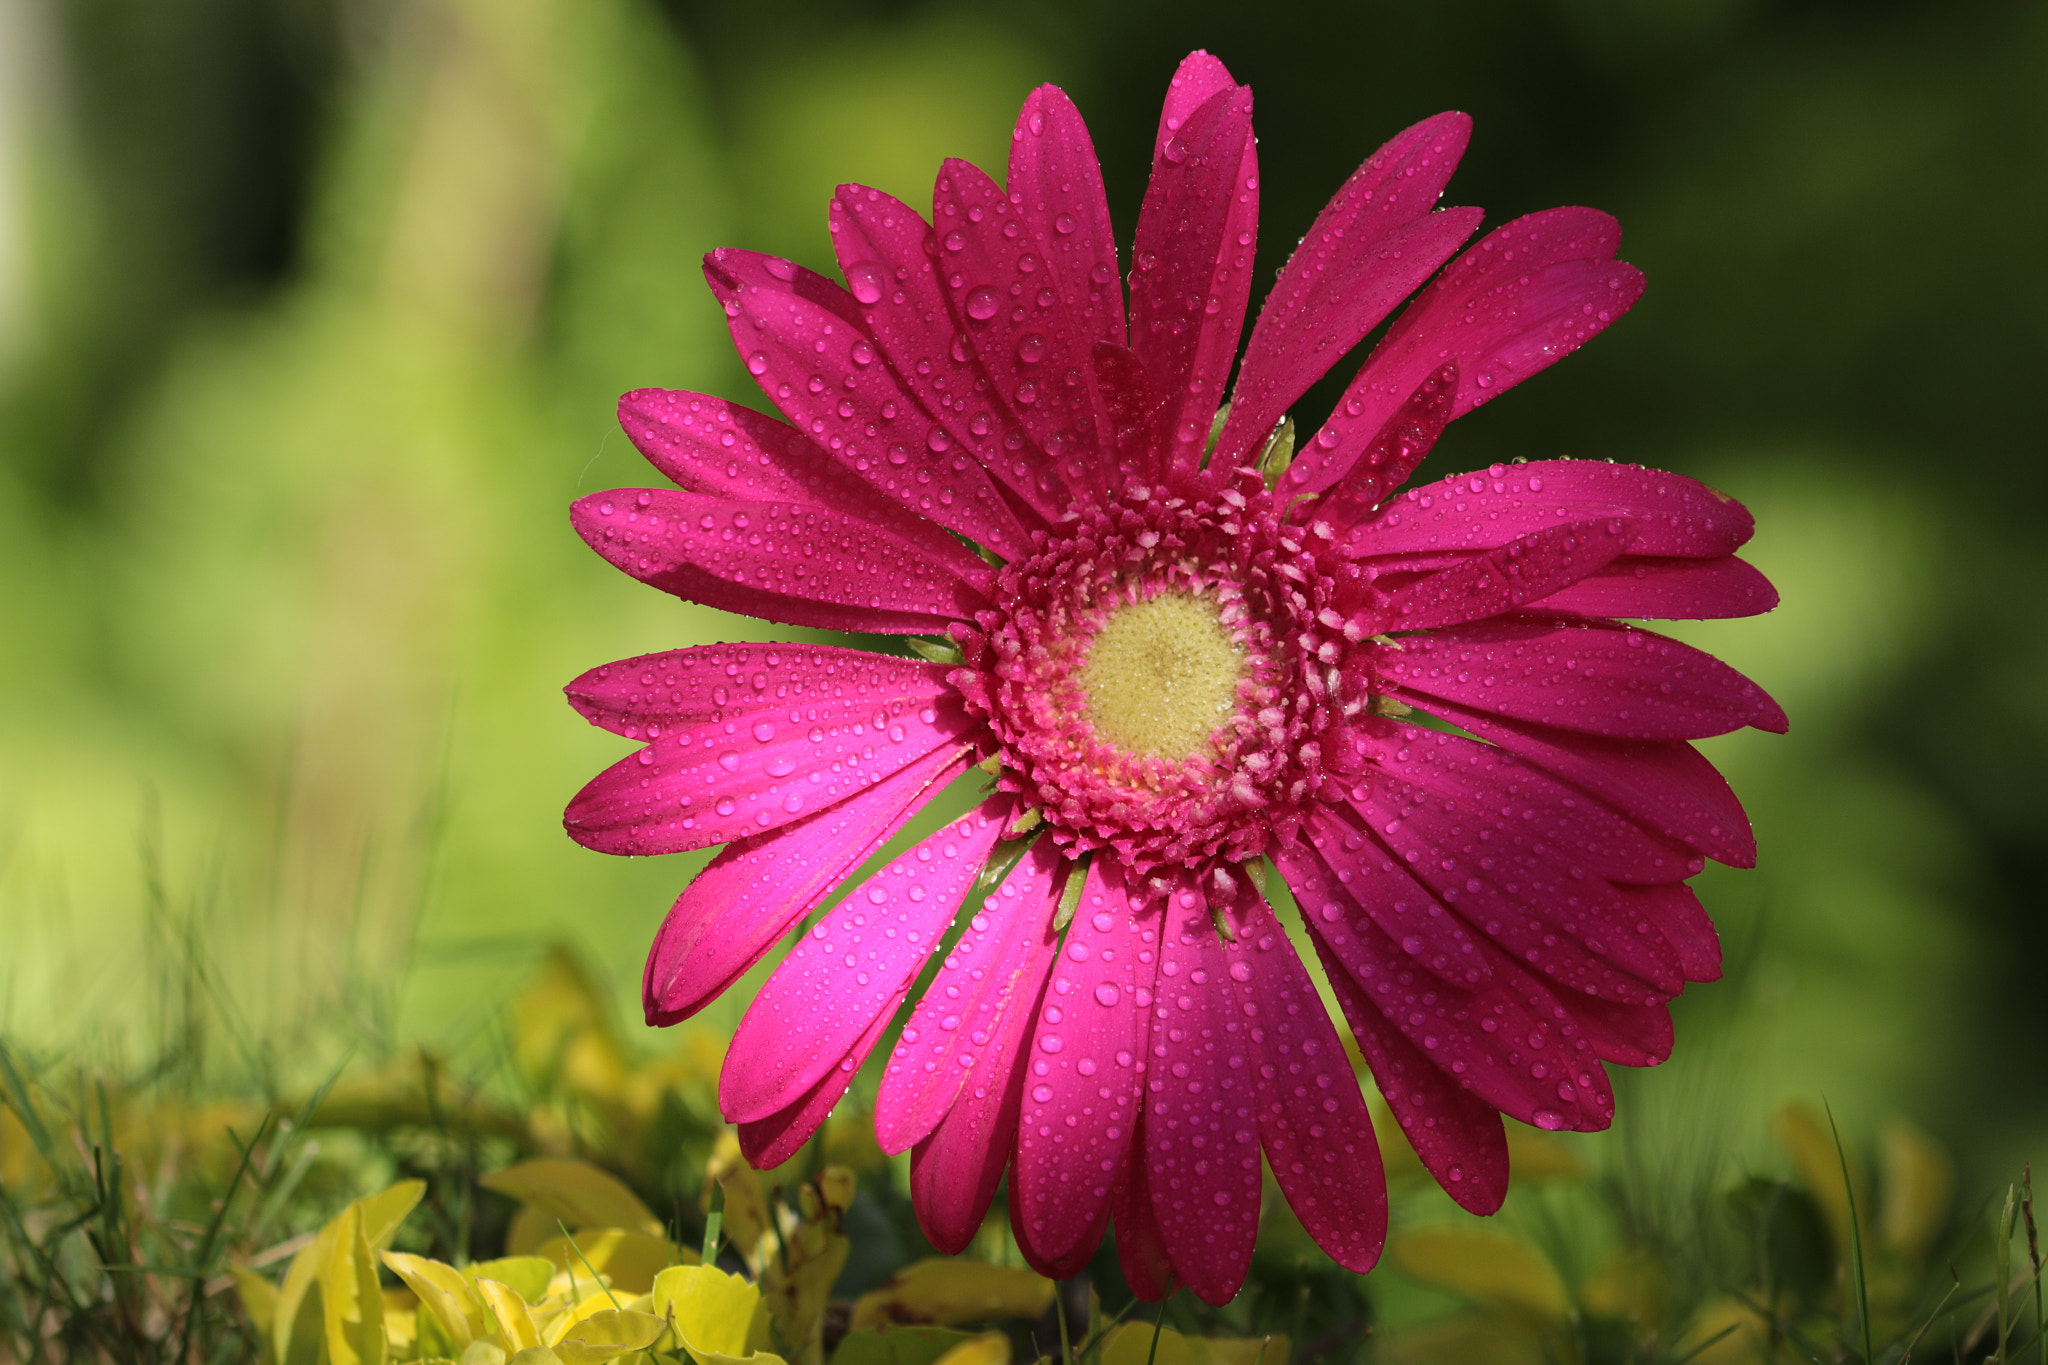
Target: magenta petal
(1087,1059)
(1140,1245)
(1457,1135)
(1033,349)
(1057,181)
(855,964)
(699,785)
(1495,581)
(1313,1123)
(804,340)
(1201,1120)
(1371,246)
(1347,872)
(1191,265)
(1679,916)
(1388,459)
(642,696)
(733,911)
(1663,784)
(805,564)
(886,251)
(1133,411)
(997,967)
(1626,1035)
(1596,678)
(1669,590)
(1675,516)
(770,1141)
(1198,76)
(1533,1063)
(955,1171)
(1529,294)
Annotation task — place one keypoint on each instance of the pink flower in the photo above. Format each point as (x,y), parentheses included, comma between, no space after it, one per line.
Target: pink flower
(1177,663)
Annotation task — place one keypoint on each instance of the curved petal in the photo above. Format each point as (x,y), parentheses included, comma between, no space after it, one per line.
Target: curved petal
(1529,294)
(1056,179)
(649,693)
(1008,306)
(1402,441)
(1458,1136)
(1596,678)
(1313,1123)
(1674,516)
(1375,243)
(998,966)
(1679,916)
(803,564)
(886,251)
(712,783)
(1492,582)
(1192,264)
(1668,590)
(1663,784)
(1201,1121)
(775,1138)
(1074,1136)
(1626,1035)
(1140,1245)
(806,343)
(854,965)
(751,894)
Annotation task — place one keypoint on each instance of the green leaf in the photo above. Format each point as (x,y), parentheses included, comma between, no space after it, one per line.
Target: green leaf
(528,1275)
(947,1292)
(575,1192)
(607,1335)
(1489,1266)
(897,1344)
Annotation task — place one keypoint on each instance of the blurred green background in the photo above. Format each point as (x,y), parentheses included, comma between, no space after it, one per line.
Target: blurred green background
(312,314)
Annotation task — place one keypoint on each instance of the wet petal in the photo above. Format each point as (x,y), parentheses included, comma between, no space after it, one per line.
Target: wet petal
(1057,181)
(854,965)
(770,1141)
(1492,582)
(803,564)
(997,967)
(1627,1035)
(716,781)
(751,894)
(1087,1059)
(1668,590)
(643,696)
(1313,1123)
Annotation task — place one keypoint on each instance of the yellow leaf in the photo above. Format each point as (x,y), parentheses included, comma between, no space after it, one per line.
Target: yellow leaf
(482,1353)
(1130,1343)
(798,1284)
(1808,1140)
(630,1260)
(608,1334)
(714,1314)
(352,1300)
(562,1031)
(1470,1339)
(896,1344)
(515,1324)
(990,1348)
(575,1192)
(1918,1181)
(744,1213)
(528,1275)
(401,1319)
(446,1294)
(1630,1285)
(1535,1155)
(1738,1335)
(535,1355)
(947,1292)
(382,1213)
(1489,1266)
(259,1299)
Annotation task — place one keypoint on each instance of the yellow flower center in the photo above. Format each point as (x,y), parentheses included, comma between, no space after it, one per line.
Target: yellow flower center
(1161,675)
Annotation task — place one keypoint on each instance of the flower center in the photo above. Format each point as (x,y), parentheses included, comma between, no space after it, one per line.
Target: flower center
(1161,675)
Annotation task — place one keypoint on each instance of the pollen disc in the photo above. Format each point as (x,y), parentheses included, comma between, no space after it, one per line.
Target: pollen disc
(1161,675)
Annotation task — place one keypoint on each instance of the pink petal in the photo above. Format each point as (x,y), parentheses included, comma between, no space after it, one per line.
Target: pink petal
(1663,784)
(1371,246)
(1198,76)
(1458,1135)
(1140,1245)
(998,966)
(1529,294)
(1004,299)
(1679,916)
(1626,1035)
(807,345)
(705,784)
(1675,516)
(770,1141)
(1191,266)
(1313,1123)
(1057,181)
(886,251)
(1201,1120)
(1669,590)
(1388,459)
(1595,678)
(803,564)
(756,888)
(955,1171)
(1511,1044)
(1133,411)
(1089,1043)
(1495,581)
(855,964)
(642,696)
(1341,867)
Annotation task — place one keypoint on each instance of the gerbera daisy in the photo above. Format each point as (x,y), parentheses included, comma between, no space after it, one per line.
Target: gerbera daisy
(1185,651)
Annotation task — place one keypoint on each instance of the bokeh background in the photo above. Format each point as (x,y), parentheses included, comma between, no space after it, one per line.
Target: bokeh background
(312,314)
